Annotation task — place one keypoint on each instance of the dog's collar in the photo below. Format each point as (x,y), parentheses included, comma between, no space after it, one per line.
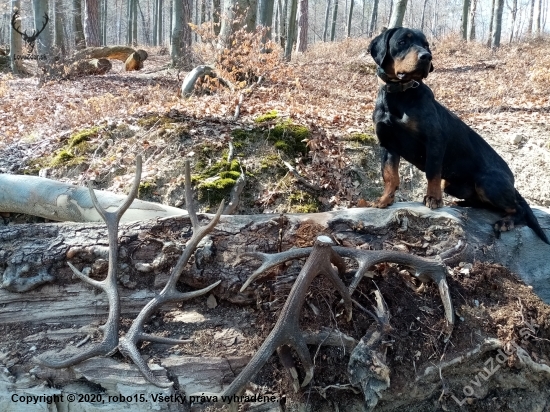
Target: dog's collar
(392,86)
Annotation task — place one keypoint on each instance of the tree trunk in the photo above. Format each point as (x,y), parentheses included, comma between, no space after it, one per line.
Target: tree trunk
(79,40)
(538,21)
(265,18)
(135,22)
(177,17)
(291,29)
(424,15)
(531,15)
(91,23)
(227,16)
(59,20)
(495,43)
(104,23)
(333,25)
(399,9)
(513,14)
(301,47)
(465,14)
(327,16)
(472,22)
(44,40)
(156,12)
(349,17)
(16,42)
(491,23)
(160,22)
(373,18)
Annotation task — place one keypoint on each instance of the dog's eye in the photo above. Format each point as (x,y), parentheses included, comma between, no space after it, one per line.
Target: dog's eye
(401,42)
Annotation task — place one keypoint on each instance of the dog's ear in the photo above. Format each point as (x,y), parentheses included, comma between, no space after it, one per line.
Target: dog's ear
(379,45)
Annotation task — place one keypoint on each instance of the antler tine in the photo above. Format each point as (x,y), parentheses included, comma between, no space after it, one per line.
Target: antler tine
(128,344)
(271,260)
(286,331)
(424,268)
(108,285)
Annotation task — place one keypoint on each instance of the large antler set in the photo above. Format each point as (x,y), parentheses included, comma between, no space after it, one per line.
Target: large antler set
(322,256)
(29,39)
(128,344)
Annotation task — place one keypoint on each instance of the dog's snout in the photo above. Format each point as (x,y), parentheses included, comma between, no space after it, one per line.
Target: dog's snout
(425,56)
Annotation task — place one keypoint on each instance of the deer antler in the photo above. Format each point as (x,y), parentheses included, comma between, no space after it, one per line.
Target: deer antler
(14,21)
(286,331)
(37,33)
(109,285)
(128,344)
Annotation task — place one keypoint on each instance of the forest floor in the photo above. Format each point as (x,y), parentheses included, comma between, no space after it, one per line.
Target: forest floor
(91,128)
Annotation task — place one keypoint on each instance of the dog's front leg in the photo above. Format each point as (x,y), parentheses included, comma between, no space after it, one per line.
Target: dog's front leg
(390,174)
(434,165)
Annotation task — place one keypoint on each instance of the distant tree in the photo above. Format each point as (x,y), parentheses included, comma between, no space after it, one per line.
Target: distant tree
(499,8)
(472,21)
(79,40)
(44,41)
(302,27)
(491,23)
(104,22)
(327,15)
(16,41)
(59,20)
(398,13)
(373,18)
(538,21)
(531,15)
(334,16)
(513,13)
(350,16)
(91,23)
(291,31)
(265,17)
(181,33)
(464,21)
(424,15)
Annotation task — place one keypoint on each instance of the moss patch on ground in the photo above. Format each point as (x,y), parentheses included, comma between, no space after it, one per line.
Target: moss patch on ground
(303,202)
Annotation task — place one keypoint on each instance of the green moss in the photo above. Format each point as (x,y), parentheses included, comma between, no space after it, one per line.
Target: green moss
(272,114)
(214,191)
(82,136)
(63,156)
(363,138)
(146,190)
(230,175)
(303,202)
(290,138)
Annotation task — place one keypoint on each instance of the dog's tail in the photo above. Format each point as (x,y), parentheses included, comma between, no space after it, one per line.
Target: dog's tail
(530,219)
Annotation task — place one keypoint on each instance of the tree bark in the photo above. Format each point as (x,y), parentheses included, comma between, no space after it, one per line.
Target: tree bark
(79,40)
(465,14)
(531,16)
(44,41)
(91,23)
(373,18)
(491,23)
(265,18)
(424,15)
(291,29)
(16,42)
(59,23)
(333,24)
(327,16)
(495,43)
(538,21)
(301,47)
(472,22)
(513,15)
(350,17)
(399,9)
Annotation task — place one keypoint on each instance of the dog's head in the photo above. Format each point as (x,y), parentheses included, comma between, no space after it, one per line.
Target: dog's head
(403,54)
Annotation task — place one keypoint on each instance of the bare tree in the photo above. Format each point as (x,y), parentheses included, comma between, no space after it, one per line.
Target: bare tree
(472,21)
(495,43)
(513,14)
(334,16)
(327,14)
(531,15)
(91,23)
(302,27)
(373,18)
(44,41)
(491,23)
(16,41)
(538,21)
(79,39)
(399,9)
(350,16)
(59,18)
(291,32)
(424,15)
(265,18)
(465,14)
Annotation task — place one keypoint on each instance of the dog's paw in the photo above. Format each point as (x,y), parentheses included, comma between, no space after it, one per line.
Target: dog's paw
(384,201)
(503,225)
(432,202)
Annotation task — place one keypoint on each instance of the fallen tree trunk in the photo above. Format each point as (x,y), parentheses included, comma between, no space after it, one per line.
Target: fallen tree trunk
(89,67)
(58,201)
(133,59)
(60,310)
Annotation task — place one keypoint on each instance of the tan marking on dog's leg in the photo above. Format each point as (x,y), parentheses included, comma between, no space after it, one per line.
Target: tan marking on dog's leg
(433,198)
(391,184)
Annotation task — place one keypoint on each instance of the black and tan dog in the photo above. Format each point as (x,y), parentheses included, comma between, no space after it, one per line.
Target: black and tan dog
(411,124)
